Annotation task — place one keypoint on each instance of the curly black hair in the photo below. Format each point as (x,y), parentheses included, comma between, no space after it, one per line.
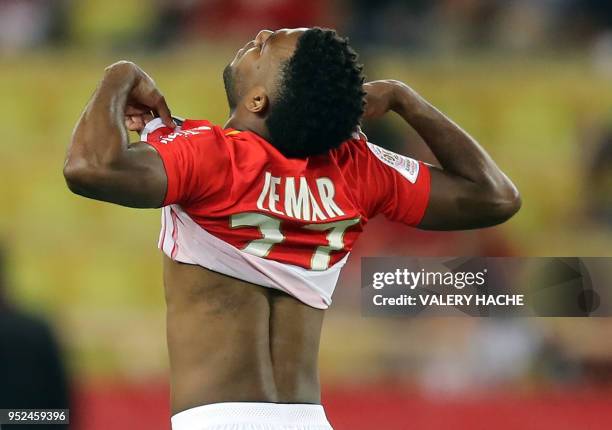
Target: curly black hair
(320,99)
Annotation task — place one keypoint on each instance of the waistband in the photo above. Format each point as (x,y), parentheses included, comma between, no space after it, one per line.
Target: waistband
(255,413)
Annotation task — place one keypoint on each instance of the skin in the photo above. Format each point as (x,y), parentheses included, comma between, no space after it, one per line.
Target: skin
(230,340)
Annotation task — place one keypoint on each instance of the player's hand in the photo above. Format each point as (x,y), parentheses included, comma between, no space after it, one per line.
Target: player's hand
(144,96)
(380,98)
(136,117)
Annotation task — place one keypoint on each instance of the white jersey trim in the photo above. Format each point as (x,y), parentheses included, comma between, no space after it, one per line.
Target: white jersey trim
(183,240)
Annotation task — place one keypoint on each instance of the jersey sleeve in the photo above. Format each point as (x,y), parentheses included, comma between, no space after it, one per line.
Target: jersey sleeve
(394,185)
(195,159)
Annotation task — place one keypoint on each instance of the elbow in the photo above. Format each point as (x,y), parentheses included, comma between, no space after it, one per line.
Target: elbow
(510,205)
(78,176)
(503,203)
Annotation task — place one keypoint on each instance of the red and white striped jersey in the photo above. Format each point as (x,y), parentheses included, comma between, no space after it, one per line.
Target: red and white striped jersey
(234,204)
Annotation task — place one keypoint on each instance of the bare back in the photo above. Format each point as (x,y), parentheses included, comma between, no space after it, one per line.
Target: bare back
(231,340)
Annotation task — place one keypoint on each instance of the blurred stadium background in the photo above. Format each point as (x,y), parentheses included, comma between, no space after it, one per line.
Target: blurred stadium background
(531,80)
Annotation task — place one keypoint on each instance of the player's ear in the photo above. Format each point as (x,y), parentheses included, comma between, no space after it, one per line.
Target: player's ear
(257,100)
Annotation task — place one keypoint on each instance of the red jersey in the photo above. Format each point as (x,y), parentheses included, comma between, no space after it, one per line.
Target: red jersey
(234,204)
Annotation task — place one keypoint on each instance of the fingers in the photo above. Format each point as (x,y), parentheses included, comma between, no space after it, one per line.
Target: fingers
(163,111)
(146,97)
(362,135)
(137,123)
(368,87)
(369,112)
(128,123)
(133,108)
(134,123)
(131,111)
(147,117)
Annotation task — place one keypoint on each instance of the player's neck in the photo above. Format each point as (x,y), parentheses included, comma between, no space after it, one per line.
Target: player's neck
(250,123)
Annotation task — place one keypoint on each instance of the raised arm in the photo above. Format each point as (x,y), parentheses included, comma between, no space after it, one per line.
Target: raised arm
(469,191)
(100,162)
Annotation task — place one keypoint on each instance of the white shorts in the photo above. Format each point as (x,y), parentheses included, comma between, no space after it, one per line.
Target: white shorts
(252,416)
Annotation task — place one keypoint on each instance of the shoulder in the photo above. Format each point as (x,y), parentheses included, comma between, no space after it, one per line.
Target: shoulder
(365,153)
(199,140)
(351,150)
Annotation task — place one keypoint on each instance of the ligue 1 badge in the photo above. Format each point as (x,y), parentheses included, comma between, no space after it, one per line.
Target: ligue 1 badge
(408,167)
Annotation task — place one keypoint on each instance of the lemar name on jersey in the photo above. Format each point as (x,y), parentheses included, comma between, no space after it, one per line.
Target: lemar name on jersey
(299,200)
(235,205)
